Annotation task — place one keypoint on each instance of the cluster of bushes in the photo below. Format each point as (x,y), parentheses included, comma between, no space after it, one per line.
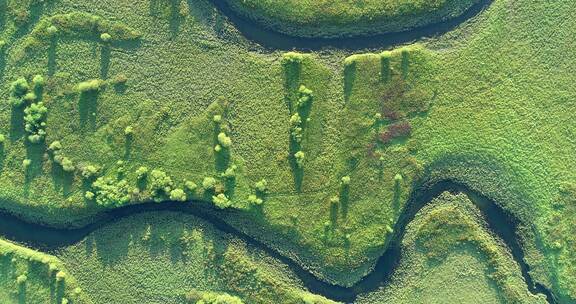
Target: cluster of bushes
(109,192)
(58,156)
(298,120)
(24,94)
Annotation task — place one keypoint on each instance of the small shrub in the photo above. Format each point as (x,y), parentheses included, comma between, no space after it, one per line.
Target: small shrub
(261,186)
(305,96)
(38,82)
(89,172)
(221,201)
(26,164)
(119,79)
(89,195)
(2,139)
(60,276)
(345,180)
(55,146)
(217,148)
(400,129)
(129,131)
(52,31)
(299,157)
(141,173)
(230,173)
(224,140)
(190,186)
(160,183)
(335,200)
(21,279)
(398,178)
(254,200)
(105,37)
(93,85)
(209,183)
(18,89)
(217,119)
(178,195)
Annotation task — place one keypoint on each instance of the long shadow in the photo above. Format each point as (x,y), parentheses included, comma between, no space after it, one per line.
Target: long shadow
(88,109)
(501,222)
(273,40)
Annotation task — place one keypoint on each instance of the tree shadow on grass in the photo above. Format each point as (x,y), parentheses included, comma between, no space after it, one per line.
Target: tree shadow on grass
(292,73)
(17,123)
(128,141)
(3,9)
(2,62)
(2,156)
(22,293)
(62,180)
(52,56)
(345,199)
(349,79)
(105,61)
(159,7)
(35,153)
(88,109)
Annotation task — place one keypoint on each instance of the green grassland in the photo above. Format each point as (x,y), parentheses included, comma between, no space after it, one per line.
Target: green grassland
(489,104)
(449,256)
(170,258)
(336,18)
(28,276)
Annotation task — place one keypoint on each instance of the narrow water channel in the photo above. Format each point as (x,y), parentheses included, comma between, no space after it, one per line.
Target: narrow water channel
(273,40)
(503,225)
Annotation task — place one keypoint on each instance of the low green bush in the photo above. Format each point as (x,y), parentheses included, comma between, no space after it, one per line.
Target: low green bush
(92,85)
(18,89)
(261,186)
(105,37)
(230,172)
(89,172)
(141,173)
(299,157)
(178,195)
(2,139)
(224,141)
(190,186)
(255,200)
(305,96)
(160,184)
(209,183)
(111,193)
(221,201)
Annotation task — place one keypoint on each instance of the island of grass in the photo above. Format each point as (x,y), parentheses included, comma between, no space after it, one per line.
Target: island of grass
(340,18)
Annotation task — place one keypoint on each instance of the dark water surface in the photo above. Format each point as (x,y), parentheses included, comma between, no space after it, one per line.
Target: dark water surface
(273,40)
(503,225)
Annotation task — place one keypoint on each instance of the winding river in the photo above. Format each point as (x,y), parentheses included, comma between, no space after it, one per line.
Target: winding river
(272,40)
(48,239)
(503,224)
